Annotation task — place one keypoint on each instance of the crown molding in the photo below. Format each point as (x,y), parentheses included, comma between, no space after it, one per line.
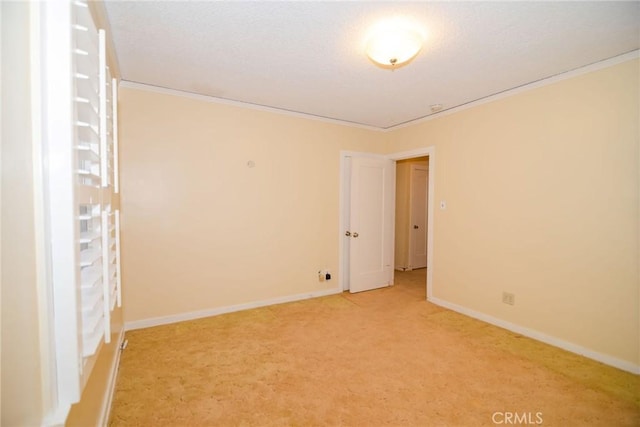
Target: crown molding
(629,56)
(485,100)
(223,101)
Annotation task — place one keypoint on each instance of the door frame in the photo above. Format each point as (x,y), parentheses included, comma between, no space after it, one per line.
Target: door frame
(343,253)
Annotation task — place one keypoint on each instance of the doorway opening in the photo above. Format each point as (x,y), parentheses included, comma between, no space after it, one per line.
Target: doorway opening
(412,177)
(430,154)
(411,213)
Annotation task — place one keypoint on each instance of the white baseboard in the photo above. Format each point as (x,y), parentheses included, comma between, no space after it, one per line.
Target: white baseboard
(548,339)
(539,336)
(165,320)
(105,410)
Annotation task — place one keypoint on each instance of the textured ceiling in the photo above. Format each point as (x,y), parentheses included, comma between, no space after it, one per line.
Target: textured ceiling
(308,57)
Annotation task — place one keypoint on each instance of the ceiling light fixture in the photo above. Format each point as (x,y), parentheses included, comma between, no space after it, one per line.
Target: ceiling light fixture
(393,44)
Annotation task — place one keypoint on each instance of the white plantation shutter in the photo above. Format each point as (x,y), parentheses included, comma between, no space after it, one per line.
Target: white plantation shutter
(114,133)
(106,113)
(88,111)
(79,135)
(91,280)
(110,262)
(116,218)
(110,266)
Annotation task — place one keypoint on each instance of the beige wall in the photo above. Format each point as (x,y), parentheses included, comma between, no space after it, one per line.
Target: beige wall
(542,192)
(401,250)
(203,230)
(21,383)
(403,209)
(541,187)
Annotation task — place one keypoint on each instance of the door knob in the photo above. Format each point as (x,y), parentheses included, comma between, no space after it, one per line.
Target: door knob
(348,233)
(355,234)
(415,227)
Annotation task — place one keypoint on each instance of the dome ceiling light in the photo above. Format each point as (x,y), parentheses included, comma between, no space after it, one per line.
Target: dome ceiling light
(394,43)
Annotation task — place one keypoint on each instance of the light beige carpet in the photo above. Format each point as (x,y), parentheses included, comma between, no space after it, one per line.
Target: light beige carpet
(379,358)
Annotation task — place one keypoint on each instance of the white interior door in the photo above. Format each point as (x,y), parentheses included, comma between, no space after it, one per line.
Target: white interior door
(419,176)
(371,225)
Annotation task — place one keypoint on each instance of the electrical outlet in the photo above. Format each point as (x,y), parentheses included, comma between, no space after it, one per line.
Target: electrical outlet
(508,298)
(324,274)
